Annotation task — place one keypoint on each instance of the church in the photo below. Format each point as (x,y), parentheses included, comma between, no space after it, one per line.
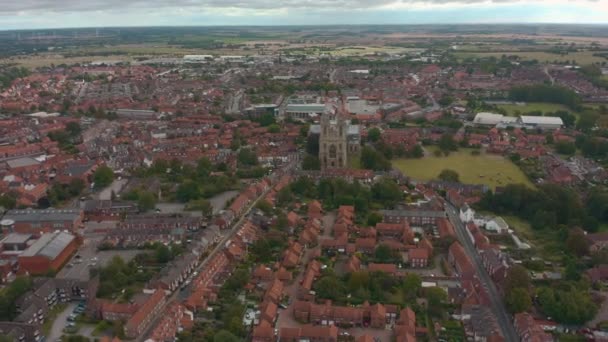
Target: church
(338,141)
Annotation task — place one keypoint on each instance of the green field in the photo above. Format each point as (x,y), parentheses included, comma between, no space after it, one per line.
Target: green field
(512,109)
(491,170)
(582,58)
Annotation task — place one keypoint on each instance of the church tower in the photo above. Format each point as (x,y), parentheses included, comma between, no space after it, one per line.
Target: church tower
(333,150)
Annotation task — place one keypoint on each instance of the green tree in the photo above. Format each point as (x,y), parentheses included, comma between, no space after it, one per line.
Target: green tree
(447,143)
(373,160)
(247,157)
(374,218)
(274,128)
(373,134)
(387,192)
(329,287)
(449,175)
(576,243)
(146,201)
(383,254)
(225,336)
(187,191)
(435,297)
(412,283)
(264,206)
(103,177)
(518,300)
(311,162)
(565,147)
(517,277)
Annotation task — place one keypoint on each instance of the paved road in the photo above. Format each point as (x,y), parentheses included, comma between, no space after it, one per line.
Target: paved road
(502,317)
(59,323)
(218,248)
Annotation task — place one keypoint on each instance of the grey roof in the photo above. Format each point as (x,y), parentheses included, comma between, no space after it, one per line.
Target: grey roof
(306,107)
(29,215)
(352,129)
(541,120)
(49,245)
(14,238)
(79,169)
(414,213)
(22,162)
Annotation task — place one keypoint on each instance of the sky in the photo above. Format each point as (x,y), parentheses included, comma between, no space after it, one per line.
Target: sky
(35,14)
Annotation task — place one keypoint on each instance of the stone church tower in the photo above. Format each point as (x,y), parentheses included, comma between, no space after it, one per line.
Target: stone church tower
(333,142)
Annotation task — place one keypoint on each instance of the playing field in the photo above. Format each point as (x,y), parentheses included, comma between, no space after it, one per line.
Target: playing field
(514,109)
(489,169)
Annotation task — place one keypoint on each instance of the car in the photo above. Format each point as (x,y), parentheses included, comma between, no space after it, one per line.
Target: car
(71,324)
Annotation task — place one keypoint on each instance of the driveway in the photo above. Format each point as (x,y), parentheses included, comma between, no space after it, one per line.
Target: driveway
(60,322)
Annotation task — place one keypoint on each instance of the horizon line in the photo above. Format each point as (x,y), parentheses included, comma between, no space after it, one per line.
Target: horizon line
(314,25)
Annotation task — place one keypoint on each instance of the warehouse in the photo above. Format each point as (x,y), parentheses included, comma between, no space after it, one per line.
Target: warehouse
(36,221)
(541,122)
(48,253)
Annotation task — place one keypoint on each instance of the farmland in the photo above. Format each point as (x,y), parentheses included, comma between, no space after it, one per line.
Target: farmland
(581,57)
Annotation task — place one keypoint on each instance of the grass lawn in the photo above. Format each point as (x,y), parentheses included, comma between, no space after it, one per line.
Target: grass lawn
(491,170)
(512,109)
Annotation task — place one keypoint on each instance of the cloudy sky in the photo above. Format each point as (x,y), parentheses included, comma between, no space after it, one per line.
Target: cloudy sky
(20,14)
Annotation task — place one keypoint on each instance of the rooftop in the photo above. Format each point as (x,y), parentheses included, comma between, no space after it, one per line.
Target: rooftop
(49,245)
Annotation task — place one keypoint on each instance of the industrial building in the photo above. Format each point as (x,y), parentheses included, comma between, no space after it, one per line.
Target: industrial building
(48,253)
(37,221)
(541,122)
(492,119)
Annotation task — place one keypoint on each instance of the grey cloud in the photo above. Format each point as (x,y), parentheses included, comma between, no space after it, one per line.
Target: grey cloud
(15,6)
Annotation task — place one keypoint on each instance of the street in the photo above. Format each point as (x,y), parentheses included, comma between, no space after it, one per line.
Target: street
(502,317)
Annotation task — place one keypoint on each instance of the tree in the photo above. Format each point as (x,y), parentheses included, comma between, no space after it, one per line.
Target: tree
(374,134)
(383,253)
(565,147)
(311,162)
(435,297)
(449,175)
(447,143)
(412,283)
(373,160)
(329,287)
(247,157)
(518,300)
(162,254)
(146,201)
(571,304)
(576,243)
(417,152)
(284,196)
(225,336)
(517,277)
(187,191)
(374,218)
(264,206)
(274,128)
(103,177)
(387,192)
(204,168)
(205,207)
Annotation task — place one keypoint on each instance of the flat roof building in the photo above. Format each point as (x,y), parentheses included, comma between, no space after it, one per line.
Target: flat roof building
(36,221)
(542,122)
(48,253)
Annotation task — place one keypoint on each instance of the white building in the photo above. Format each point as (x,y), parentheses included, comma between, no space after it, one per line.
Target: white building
(542,122)
(467,214)
(497,225)
(489,119)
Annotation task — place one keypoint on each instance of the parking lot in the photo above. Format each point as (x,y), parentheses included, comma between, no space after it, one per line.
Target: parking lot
(88,256)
